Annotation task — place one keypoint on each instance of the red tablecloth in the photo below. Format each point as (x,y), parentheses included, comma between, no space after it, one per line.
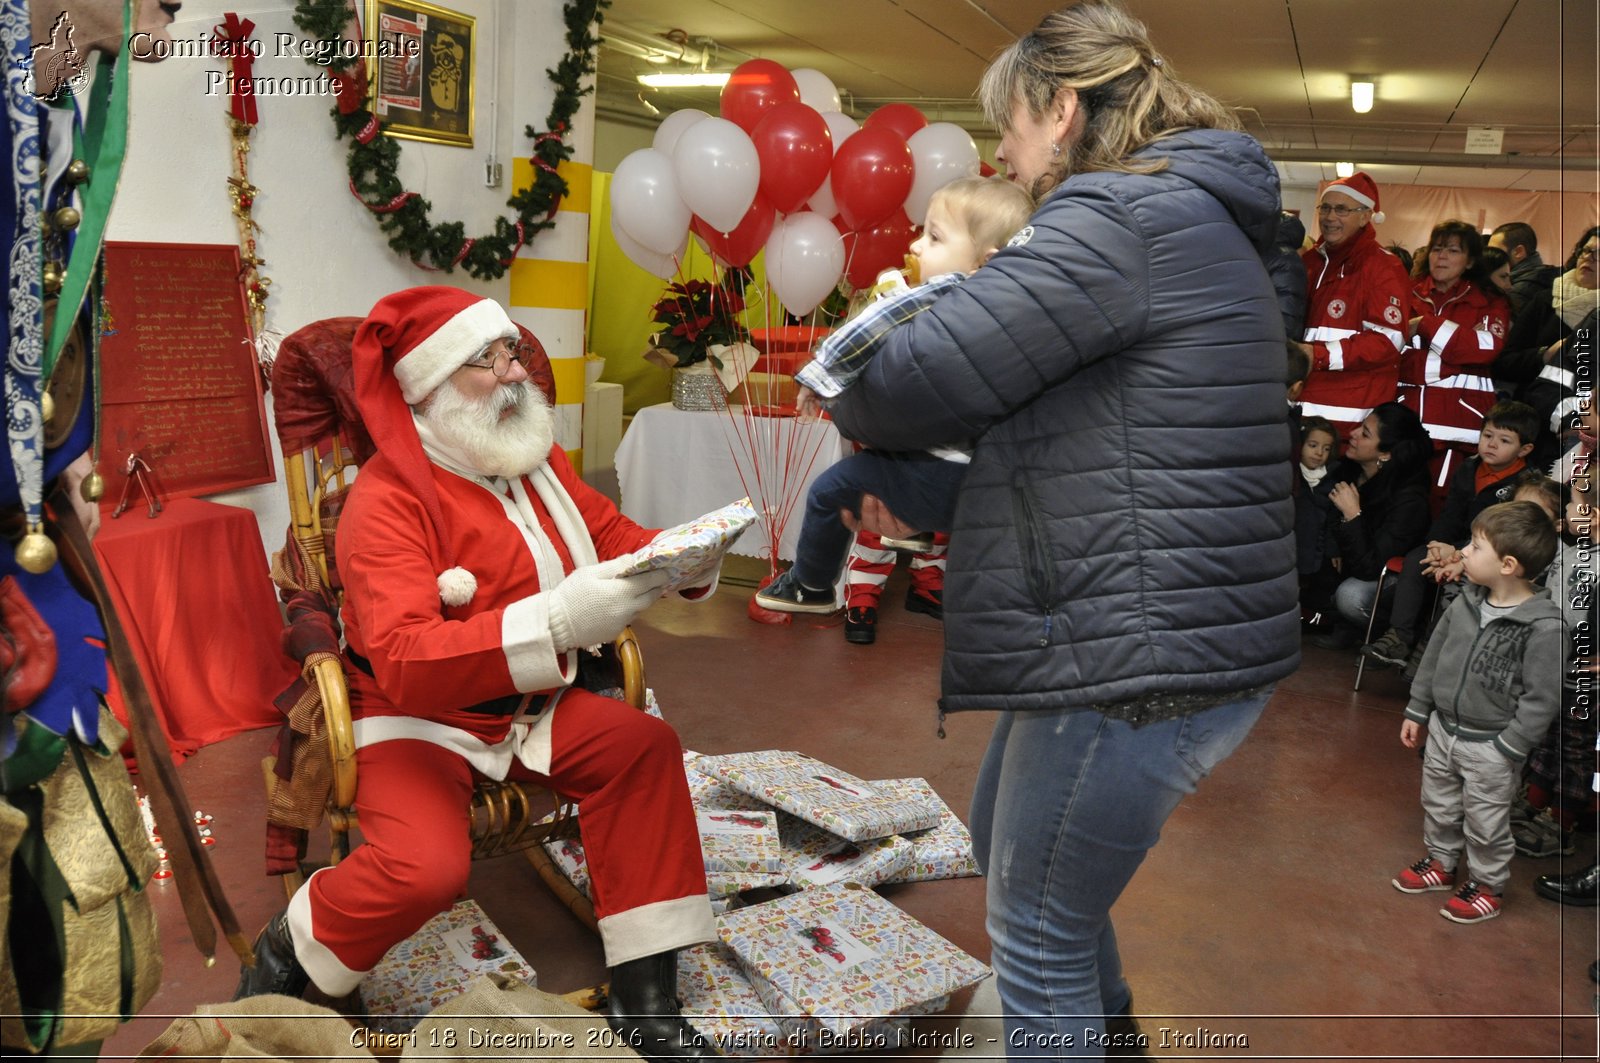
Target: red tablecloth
(786,349)
(192,590)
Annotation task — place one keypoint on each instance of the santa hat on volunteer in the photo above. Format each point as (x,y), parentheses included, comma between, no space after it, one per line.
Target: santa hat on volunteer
(410,344)
(1361,188)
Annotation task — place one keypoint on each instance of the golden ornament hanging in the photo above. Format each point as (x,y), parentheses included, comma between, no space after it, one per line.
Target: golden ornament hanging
(93,487)
(36,553)
(50,277)
(67,218)
(78,172)
(47,406)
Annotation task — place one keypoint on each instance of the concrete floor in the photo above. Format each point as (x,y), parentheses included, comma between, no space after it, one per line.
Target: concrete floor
(1266,911)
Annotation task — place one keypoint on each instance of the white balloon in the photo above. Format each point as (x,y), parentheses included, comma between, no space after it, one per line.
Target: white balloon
(941,153)
(841,126)
(718,172)
(672,127)
(645,201)
(653,262)
(805,259)
(817,91)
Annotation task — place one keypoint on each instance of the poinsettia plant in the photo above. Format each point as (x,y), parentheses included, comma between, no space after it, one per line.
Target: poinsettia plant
(696,316)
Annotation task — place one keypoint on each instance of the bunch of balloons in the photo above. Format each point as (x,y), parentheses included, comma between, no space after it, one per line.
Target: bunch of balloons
(783,170)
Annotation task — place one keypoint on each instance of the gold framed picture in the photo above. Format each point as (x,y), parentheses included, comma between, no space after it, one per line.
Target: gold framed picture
(422,79)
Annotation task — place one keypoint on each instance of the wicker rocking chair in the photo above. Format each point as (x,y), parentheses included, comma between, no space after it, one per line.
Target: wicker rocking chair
(312,775)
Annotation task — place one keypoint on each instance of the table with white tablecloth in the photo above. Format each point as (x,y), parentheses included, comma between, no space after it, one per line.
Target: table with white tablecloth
(673,465)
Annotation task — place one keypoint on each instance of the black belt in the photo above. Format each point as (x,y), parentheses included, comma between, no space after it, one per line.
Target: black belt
(503,706)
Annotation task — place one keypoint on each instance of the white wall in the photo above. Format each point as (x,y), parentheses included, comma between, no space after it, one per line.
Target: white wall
(324,252)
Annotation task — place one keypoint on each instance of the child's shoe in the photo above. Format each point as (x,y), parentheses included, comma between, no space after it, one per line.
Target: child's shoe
(786,595)
(1471,905)
(861,625)
(1424,876)
(1541,836)
(930,604)
(1389,649)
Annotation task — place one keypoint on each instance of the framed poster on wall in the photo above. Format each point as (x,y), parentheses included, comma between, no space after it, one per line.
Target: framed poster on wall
(179,382)
(422,83)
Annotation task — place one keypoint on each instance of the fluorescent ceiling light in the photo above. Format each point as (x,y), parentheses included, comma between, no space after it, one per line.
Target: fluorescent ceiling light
(693,79)
(1344,169)
(1361,96)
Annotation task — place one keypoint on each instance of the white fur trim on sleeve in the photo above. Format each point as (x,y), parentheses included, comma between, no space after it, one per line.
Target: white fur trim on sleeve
(457,586)
(530,655)
(430,363)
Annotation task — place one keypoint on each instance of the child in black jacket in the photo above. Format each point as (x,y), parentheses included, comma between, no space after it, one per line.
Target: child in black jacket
(1507,438)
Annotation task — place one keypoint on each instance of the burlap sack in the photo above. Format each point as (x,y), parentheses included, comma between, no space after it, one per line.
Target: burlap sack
(265,1027)
(499,1018)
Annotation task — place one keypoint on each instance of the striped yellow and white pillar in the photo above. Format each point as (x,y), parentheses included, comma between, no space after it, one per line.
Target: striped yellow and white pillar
(550,278)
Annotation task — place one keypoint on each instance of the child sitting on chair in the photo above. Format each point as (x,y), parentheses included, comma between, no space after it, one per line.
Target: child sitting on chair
(968,220)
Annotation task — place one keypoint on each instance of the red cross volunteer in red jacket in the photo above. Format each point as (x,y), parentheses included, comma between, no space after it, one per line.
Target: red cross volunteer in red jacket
(477,568)
(1357,299)
(1458,327)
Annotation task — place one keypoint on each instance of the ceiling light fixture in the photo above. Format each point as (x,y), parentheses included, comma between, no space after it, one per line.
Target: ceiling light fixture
(1344,169)
(685,80)
(1361,93)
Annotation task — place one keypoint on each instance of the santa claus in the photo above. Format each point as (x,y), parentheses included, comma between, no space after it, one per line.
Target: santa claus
(477,569)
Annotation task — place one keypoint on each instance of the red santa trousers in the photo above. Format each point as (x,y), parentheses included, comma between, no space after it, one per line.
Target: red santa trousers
(624,767)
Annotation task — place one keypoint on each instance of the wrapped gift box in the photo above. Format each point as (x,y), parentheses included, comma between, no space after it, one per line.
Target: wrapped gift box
(944,851)
(821,794)
(843,955)
(567,853)
(741,850)
(815,857)
(720,1001)
(437,964)
(709,792)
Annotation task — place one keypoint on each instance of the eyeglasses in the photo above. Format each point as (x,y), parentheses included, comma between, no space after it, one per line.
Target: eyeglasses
(499,361)
(1590,250)
(1339,211)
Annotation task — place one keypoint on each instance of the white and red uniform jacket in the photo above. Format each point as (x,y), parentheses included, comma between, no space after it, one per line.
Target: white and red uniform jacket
(434,661)
(1357,299)
(1444,375)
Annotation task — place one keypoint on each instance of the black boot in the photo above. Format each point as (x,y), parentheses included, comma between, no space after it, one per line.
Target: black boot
(643,1010)
(276,970)
(1581,888)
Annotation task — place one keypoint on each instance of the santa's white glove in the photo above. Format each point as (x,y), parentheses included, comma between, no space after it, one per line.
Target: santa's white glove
(593,604)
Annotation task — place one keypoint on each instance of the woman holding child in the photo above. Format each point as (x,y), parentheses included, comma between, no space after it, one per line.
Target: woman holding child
(1121,582)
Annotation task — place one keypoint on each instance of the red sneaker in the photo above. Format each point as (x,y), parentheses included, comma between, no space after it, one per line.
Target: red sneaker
(1471,905)
(1424,876)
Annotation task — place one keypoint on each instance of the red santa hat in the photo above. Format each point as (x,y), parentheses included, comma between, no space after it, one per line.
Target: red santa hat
(1361,188)
(410,344)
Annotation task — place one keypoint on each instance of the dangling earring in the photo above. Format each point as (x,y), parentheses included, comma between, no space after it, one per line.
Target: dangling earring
(1055,150)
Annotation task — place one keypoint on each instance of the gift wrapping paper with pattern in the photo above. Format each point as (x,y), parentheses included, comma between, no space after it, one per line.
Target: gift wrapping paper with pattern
(741,848)
(708,792)
(821,794)
(815,857)
(843,956)
(691,552)
(437,964)
(944,851)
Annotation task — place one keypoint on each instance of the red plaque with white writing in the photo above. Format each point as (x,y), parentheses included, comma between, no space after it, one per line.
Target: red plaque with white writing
(179,383)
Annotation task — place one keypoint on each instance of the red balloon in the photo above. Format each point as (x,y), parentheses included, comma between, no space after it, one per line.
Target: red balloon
(746,240)
(872,172)
(752,88)
(796,149)
(884,246)
(900,117)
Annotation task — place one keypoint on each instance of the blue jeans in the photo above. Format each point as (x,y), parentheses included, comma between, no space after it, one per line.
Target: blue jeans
(1066,806)
(918,488)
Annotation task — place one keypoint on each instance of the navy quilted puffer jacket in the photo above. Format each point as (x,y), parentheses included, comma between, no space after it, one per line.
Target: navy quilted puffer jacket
(1125,532)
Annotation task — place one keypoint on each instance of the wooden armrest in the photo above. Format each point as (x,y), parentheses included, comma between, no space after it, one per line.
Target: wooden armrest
(341,732)
(632,662)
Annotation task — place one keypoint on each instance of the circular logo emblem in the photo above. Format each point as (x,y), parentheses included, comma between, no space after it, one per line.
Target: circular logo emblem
(1497,327)
(1022,237)
(1391,314)
(1336,308)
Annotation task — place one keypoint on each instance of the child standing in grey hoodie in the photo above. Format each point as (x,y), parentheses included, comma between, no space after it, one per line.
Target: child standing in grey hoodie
(1487,690)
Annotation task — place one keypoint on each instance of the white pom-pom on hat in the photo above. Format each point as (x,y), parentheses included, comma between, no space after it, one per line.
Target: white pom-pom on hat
(457,586)
(1378,217)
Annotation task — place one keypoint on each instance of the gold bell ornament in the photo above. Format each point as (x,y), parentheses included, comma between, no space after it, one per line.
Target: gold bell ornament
(36,553)
(78,172)
(47,406)
(67,218)
(92,487)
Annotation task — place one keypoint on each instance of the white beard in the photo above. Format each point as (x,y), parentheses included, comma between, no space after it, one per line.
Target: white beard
(472,431)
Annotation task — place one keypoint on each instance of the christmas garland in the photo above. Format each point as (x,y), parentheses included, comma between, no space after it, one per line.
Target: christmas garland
(374,159)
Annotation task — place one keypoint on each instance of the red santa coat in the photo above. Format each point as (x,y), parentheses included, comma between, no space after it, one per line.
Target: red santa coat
(431,660)
(1444,376)
(1357,297)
